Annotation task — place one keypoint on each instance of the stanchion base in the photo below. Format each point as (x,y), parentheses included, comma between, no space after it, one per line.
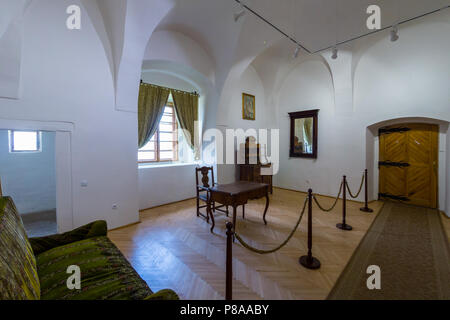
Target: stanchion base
(366,209)
(344,226)
(312,263)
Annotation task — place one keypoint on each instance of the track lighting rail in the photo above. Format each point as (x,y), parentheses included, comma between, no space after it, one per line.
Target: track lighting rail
(298,44)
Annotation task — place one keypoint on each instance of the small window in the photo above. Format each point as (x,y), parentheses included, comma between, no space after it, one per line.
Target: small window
(163,146)
(24,141)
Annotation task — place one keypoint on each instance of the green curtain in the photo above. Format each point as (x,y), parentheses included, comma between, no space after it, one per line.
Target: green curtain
(307,130)
(186,108)
(151,103)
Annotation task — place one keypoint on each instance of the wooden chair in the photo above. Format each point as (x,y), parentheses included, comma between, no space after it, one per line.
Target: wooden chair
(203,191)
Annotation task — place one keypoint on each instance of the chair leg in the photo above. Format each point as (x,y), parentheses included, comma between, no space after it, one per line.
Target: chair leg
(243,211)
(214,206)
(198,209)
(234,221)
(227,211)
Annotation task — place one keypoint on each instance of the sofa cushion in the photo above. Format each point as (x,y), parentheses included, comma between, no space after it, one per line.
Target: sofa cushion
(164,294)
(105,273)
(18,275)
(94,229)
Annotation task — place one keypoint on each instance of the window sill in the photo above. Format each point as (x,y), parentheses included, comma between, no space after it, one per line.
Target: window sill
(165,165)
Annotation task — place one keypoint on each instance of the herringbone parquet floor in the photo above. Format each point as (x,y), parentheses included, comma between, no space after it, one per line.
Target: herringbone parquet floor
(172,248)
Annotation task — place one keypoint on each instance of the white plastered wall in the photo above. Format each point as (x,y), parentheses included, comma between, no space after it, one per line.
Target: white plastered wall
(373,81)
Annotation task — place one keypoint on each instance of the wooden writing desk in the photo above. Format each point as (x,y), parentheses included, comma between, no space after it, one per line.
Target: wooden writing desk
(236,194)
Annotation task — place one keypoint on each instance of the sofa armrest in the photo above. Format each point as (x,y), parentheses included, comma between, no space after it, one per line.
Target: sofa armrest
(94,229)
(165,294)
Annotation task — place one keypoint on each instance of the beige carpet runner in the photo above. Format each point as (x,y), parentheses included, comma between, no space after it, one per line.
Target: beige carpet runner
(410,246)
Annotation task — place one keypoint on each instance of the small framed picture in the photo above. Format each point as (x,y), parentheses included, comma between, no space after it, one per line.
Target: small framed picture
(248,106)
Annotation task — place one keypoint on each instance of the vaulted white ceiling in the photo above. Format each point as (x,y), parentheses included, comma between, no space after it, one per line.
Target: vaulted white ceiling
(316,24)
(125,27)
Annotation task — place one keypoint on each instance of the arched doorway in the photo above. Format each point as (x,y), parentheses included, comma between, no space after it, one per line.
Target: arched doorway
(408,163)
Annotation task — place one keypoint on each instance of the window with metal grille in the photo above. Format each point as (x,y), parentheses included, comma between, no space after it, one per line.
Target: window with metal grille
(163,146)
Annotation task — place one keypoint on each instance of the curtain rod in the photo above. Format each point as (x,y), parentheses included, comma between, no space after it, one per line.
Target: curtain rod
(195,93)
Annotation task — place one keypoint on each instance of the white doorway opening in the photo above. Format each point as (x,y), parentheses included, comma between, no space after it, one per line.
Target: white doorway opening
(62,133)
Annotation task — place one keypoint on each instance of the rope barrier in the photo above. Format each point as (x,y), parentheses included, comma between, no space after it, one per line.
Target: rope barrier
(334,204)
(308,261)
(249,247)
(360,188)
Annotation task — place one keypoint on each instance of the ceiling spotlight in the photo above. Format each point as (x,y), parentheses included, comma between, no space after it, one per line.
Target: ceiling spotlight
(394,34)
(238,15)
(335,52)
(296,52)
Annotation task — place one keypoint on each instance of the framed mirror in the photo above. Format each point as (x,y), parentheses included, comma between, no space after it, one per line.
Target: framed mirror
(303,143)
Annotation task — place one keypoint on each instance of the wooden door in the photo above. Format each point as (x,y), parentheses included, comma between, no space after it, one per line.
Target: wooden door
(408,163)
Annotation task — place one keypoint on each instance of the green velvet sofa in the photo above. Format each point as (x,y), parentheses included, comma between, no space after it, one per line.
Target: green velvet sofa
(37,268)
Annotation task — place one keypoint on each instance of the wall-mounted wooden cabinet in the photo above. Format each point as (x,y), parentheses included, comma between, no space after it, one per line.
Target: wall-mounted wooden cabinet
(252,172)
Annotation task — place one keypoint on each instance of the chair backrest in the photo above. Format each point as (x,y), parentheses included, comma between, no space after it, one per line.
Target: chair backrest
(205,182)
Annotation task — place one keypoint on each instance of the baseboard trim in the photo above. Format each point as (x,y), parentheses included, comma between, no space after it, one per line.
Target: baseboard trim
(166,204)
(125,226)
(39,215)
(321,195)
(287,189)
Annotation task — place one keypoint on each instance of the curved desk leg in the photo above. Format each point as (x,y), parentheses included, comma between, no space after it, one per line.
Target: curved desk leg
(210,213)
(207,207)
(267,207)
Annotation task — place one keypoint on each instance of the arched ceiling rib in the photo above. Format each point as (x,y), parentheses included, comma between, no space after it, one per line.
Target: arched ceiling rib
(178,48)
(10,10)
(210,23)
(11,33)
(99,13)
(125,27)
